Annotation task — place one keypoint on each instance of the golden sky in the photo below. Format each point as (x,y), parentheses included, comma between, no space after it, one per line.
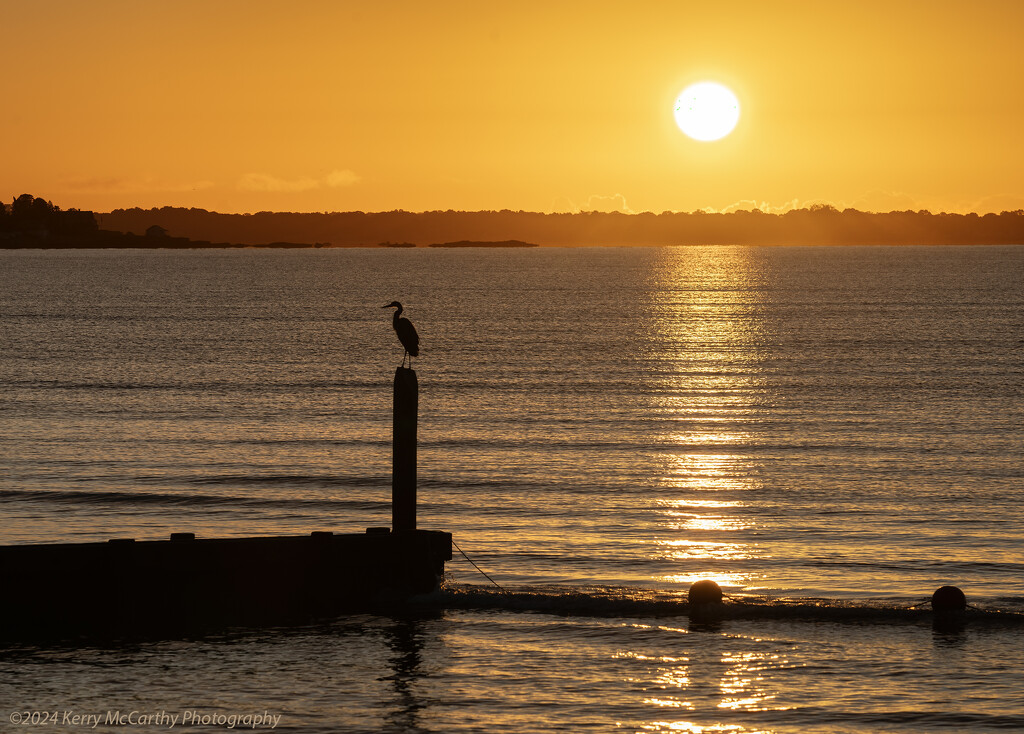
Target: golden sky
(324,105)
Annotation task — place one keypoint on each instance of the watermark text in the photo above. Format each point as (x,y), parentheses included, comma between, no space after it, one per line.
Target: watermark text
(144,719)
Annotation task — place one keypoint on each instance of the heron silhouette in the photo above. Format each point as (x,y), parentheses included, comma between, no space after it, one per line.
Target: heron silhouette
(406,333)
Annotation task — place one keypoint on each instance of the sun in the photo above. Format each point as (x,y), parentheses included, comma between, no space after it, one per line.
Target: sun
(707,111)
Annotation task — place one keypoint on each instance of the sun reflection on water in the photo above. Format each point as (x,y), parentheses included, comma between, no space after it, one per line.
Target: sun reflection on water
(697,521)
(705,472)
(689,727)
(683,549)
(706,390)
(743,685)
(740,679)
(735,679)
(734,580)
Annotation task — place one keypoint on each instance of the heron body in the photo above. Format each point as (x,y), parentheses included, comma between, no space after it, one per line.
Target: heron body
(406,332)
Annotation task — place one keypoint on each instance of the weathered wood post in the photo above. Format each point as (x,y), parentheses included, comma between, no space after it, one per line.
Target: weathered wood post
(403,450)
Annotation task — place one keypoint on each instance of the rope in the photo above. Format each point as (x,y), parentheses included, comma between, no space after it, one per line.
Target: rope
(503,590)
(929,601)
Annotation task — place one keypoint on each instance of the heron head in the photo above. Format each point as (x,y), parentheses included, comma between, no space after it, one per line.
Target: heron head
(393,304)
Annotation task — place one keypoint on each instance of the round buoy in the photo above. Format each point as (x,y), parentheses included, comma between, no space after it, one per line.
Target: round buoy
(705,591)
(948,599)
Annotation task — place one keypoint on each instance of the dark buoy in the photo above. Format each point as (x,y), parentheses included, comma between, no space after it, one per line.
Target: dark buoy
(948,599)
(705,591)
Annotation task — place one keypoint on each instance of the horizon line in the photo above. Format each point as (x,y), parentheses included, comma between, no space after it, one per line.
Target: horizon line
(815,208)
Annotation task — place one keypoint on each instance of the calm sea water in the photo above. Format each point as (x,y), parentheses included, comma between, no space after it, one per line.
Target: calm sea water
(834,432)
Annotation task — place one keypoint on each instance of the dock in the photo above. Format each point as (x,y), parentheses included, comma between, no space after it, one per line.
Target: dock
(186,584)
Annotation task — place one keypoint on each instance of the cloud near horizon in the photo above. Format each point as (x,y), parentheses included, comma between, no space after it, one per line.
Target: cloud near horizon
(763,206)
(116,185)
(267,182)
(879,200)
(997,203)
(341,178)
(599,203)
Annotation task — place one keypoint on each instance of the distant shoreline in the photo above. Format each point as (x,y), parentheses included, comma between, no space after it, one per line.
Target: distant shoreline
(815,226)
(121,241)
(34,223)
(471,243)
(101,244)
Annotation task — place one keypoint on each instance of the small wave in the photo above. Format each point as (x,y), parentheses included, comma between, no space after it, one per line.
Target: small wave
(624,602)
(310,480)
(215,385)
(186,500)
(326,442)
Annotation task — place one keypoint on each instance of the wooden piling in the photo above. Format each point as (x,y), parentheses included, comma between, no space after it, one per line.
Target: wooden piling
(403,450)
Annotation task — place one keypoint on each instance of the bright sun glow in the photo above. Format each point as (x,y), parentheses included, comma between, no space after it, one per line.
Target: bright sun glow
(707,111)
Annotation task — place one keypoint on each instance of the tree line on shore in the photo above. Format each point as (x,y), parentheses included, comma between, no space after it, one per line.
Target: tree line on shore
(32,221)
(817,225)
(34,216)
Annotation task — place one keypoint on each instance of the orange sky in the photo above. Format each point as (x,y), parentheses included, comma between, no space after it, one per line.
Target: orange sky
(307,105)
